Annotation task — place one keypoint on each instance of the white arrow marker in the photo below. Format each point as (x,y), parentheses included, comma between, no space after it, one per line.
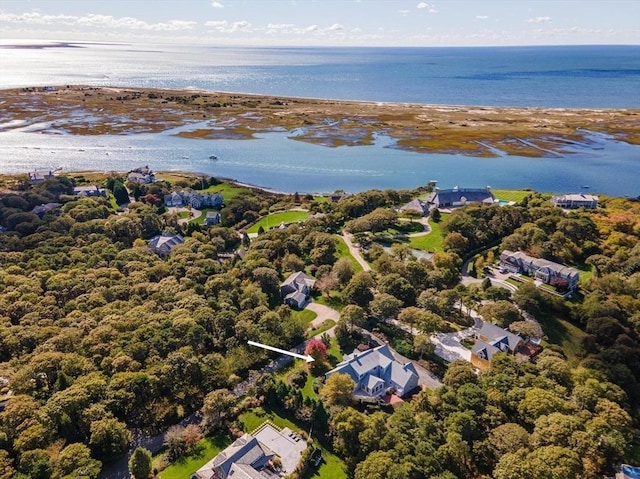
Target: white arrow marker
(307,358)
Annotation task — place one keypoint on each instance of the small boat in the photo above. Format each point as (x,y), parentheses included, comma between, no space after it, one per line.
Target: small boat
(586,187)
(184,157)
(213,157)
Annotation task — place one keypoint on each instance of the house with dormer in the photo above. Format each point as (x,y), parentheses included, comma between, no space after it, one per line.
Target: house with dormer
(492,339)
(376,371)
(540,269)
(296,290)
(251,456)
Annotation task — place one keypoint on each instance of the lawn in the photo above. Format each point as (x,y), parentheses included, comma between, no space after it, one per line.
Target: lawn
(275,219)
(206,449)
(433,241)
(305,316)
(253,419)
(228,191)
(342,251)
(564,334)
(332,467)
(511,195)
(200,219)
(326,324)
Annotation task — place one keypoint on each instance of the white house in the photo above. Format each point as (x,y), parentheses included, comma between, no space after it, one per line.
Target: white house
(376,371)
(296,290)
(576,201)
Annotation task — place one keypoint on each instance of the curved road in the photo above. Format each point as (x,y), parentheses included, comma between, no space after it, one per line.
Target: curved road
(355,251)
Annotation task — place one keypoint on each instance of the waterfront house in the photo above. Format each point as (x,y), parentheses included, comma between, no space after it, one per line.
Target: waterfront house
(376,372)
(576,201)
(38,176)
(541,269)
(88,191)
(416,206)
(456,196)
(296,290)
(142,175)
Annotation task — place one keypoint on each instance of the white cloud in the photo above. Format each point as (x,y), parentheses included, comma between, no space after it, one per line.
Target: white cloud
(427,7)
(482,17)
(96,21)
(224,26)
(217,5)
(336,27)
(539,20)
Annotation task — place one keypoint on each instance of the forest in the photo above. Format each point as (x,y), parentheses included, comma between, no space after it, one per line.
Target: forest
(101,337)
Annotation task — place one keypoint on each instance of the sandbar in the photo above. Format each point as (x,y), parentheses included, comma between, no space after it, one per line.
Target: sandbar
(475,131)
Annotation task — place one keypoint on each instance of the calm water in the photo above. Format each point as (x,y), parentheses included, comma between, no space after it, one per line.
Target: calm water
(568,77)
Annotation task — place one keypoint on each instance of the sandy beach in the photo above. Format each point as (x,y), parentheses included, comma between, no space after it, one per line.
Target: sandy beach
(473,131)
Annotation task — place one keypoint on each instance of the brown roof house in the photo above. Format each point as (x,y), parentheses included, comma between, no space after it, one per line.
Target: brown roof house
(296,290)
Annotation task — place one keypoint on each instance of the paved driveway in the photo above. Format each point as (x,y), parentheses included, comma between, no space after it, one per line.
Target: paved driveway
(323,312)
(448,345)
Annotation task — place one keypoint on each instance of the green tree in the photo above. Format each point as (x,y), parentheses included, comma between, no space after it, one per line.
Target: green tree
(338,390)
(75,461)
(216,407)
(140,463)
(120,193)
(358,290)
(353,315)
(343,270)
(109,438)
(385,306)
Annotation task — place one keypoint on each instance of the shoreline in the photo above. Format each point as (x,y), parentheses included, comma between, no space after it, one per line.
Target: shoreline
(475,131)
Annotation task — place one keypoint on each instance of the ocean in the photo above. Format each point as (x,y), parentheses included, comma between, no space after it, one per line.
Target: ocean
(555,77)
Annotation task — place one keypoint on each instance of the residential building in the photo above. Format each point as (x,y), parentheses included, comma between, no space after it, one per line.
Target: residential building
(164,243)
(212,218)
(196,199)
(456,196)
(88,191)
(250,456)
(38,176)
(141,175)
(492,339)
(44,208)
(575,201)
(376,371)
(416,206)
(541,269)
(296,290)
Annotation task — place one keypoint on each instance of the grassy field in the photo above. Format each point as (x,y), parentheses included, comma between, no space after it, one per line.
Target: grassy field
(342,251)
(227,190)
(332,467)
(274,219)
(433,241)
(305,315)
(326,324)
(564,334)
(511,195)
(206,450)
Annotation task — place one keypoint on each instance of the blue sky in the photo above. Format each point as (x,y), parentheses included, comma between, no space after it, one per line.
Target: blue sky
(326,22)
